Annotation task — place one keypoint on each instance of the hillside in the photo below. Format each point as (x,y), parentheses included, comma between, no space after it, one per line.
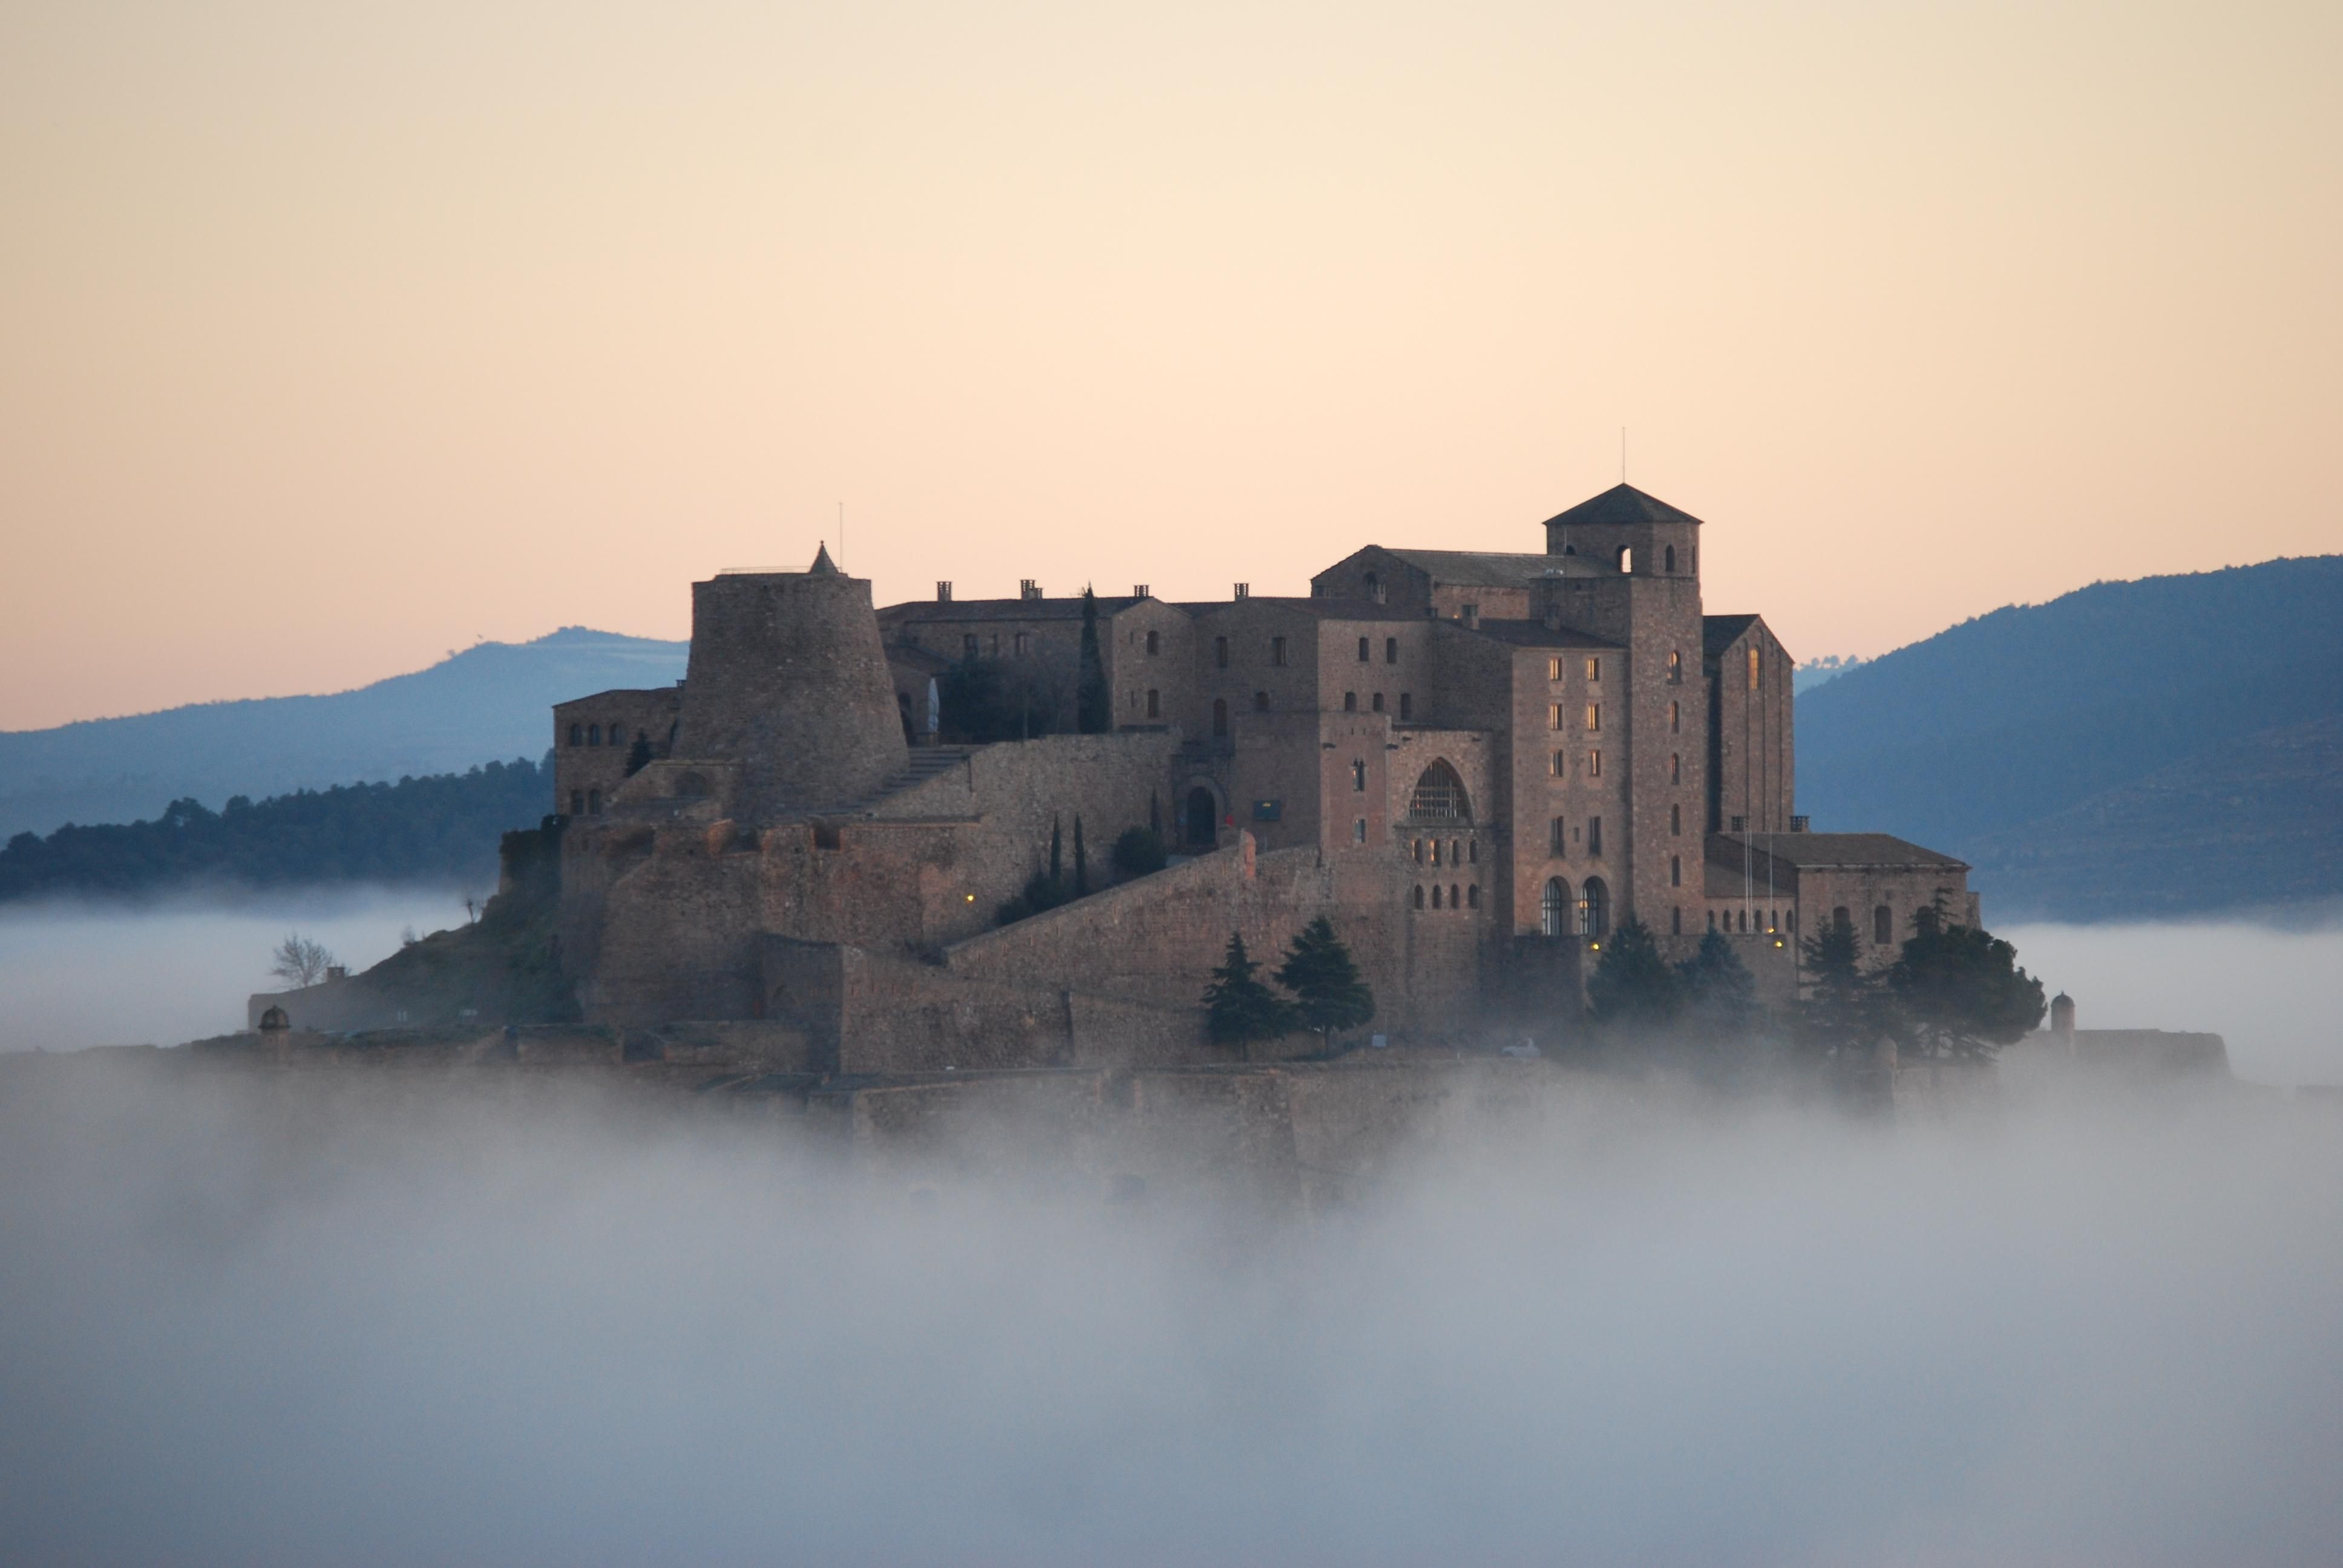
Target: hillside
(491,700)
(2259,822)
(2065,748)
(439,829)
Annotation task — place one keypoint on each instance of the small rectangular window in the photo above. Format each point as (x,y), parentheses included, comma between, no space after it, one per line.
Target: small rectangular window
(1594,835)
(1593,668)
(1350,702)
(1363,654)
(1406,706)
(1554,716)
(1593,716)
(1277,650)
(1676,822)
(1553,670)
(1390,651)
(1221,652)
(1594,765)
(1379,702)
(1753,666)
(1358,777)
(1676,717)
(1359,832)
(1676,767)
(1561,764)
(1154,703)
(968,646)
(1557,840)
(1024,644)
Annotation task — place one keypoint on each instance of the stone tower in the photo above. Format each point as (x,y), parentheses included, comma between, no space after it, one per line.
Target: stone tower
(788,678)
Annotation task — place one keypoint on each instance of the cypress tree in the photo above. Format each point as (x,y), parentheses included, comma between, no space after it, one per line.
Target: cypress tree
(1057,851)
(1093,704)
(1238,1008)
(1082,862)
(1319,971)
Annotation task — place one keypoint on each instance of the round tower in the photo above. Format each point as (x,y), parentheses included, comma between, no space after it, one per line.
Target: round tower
(787,677)
(2062,1017)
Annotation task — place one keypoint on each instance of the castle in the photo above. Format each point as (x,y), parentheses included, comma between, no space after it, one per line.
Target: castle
(1475,765)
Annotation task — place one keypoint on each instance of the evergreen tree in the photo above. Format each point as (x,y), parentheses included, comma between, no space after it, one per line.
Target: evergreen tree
(1093,704)
(1057,851)
(1961,989)
(1633,985)
(1139,852)
(1319,971)
(1082,862)
(639,756)
(1845,1008)
(1719,992)
(1239,1009)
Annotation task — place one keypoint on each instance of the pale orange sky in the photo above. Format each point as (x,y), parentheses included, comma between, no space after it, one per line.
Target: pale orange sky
(332,337)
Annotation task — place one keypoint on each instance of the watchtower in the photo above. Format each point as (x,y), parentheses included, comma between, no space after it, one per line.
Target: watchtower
(788,677)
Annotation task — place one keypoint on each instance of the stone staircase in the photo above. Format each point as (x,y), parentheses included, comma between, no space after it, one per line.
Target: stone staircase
(927,762)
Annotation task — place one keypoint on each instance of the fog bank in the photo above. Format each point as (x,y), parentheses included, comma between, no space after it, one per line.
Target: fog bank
(2275,993)
(302,1320)
(157,972)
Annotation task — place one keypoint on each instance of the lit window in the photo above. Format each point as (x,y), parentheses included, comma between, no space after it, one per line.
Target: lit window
(1553,670)
(1554,716)
(1594,765)
(1594,669)
(1675,668)
(1435,851)
(1753,667)
(1676,717)
(1560,768)
(1593,716)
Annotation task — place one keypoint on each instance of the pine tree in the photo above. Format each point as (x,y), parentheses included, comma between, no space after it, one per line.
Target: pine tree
(1961,989)
(1240,1010)
(1094,704)
(1844,1010)
(1319,971)
(1720,993)
(1633,985)
(1082,862)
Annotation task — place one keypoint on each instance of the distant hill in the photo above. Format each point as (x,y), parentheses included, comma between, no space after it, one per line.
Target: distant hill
(2053,744)
(491,700)
(439,829)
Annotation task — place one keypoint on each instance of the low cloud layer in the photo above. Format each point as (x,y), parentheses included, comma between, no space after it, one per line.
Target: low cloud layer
(484,1319)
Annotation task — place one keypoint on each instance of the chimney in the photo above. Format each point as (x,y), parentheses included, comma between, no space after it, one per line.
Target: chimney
(1138,590)
(943,593)
(1245,591)
(1800,824)
(1027,589)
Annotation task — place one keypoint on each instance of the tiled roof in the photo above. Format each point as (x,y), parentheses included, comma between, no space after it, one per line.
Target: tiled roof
(1491,568)
(921,609)
(1537,634)
(1324,608)
(1719,632)
(1828,852)
(1621,504)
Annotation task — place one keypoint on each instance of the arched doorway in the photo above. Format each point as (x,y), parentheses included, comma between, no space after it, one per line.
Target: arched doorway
(1203,820)
(1554,911)
(1593,909)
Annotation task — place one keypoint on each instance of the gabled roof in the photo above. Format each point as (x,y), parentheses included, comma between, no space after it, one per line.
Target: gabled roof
(1719,632)
(1621,504)
(1533,634)
(1492,568)
(1832,851)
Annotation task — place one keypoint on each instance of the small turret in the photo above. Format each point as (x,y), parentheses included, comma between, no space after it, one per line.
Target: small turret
(2062,1017)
